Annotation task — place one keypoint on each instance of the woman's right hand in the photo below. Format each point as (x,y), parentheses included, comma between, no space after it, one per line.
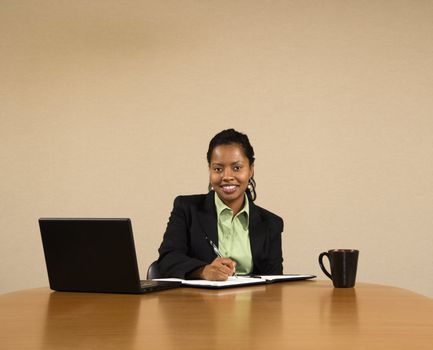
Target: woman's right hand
(219,270)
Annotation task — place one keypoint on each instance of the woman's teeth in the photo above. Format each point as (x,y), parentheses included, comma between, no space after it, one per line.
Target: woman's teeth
(229,189)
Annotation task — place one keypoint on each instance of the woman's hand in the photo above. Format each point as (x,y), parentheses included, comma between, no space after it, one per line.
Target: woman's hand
(219,270)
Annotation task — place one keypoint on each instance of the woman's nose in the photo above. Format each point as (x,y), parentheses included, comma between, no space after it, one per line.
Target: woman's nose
(227,174)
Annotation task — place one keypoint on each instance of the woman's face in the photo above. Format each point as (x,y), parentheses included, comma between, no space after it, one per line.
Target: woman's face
(230,171)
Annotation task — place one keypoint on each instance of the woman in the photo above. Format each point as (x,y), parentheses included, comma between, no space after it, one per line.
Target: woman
(247,236)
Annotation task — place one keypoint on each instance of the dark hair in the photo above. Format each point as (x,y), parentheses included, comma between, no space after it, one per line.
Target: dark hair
(229,137)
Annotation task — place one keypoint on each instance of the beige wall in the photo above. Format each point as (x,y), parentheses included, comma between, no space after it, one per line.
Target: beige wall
(107,108)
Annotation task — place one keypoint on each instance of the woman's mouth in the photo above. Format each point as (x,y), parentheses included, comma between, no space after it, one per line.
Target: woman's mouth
(228,189)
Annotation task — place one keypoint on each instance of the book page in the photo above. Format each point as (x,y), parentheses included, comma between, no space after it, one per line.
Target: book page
(283,277)
(231,281)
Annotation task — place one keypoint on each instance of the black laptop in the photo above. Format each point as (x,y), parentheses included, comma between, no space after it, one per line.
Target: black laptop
(93,255)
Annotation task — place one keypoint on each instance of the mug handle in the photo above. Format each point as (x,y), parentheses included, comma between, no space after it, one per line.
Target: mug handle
(322,266)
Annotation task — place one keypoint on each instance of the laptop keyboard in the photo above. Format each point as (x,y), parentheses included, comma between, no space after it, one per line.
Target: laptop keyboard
(148,283)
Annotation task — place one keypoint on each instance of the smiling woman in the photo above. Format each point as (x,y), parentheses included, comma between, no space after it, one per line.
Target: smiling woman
(248,237)
(231,167)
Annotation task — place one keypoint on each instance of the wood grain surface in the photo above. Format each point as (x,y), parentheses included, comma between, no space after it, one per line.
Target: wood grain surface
(294,315)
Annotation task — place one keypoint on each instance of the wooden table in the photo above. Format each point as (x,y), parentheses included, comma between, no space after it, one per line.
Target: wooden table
(294,315)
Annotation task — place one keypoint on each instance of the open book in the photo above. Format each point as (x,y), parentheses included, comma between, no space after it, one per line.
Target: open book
(238,281)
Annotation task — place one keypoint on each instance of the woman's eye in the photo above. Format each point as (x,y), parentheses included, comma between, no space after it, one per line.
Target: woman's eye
(236,168)
(217,170)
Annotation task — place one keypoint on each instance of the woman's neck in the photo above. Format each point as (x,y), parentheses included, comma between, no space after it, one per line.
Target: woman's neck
(236,205)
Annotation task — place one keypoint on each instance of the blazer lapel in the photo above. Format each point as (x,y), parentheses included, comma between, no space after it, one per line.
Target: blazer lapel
(257,232)
(207,218)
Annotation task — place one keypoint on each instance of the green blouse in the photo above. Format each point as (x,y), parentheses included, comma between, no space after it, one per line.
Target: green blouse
(233,235)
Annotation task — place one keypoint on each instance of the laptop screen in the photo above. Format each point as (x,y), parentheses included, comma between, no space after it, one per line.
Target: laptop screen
(94,255)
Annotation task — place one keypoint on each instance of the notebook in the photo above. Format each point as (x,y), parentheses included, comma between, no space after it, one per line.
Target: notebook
(239,281)
(93,255)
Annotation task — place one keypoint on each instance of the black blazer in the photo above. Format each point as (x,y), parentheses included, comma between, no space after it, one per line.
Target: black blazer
(184,247)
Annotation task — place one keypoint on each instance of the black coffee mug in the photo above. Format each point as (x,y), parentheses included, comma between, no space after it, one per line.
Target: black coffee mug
(344,263)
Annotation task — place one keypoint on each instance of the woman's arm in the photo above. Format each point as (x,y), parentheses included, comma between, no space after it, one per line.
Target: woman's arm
(174,260)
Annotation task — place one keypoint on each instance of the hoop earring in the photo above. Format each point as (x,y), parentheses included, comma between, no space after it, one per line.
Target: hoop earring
(252,188)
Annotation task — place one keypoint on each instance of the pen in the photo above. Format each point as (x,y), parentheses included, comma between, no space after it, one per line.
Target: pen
(216,250)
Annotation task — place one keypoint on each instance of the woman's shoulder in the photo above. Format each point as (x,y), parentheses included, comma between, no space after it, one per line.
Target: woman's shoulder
(267,215)
(191,199)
